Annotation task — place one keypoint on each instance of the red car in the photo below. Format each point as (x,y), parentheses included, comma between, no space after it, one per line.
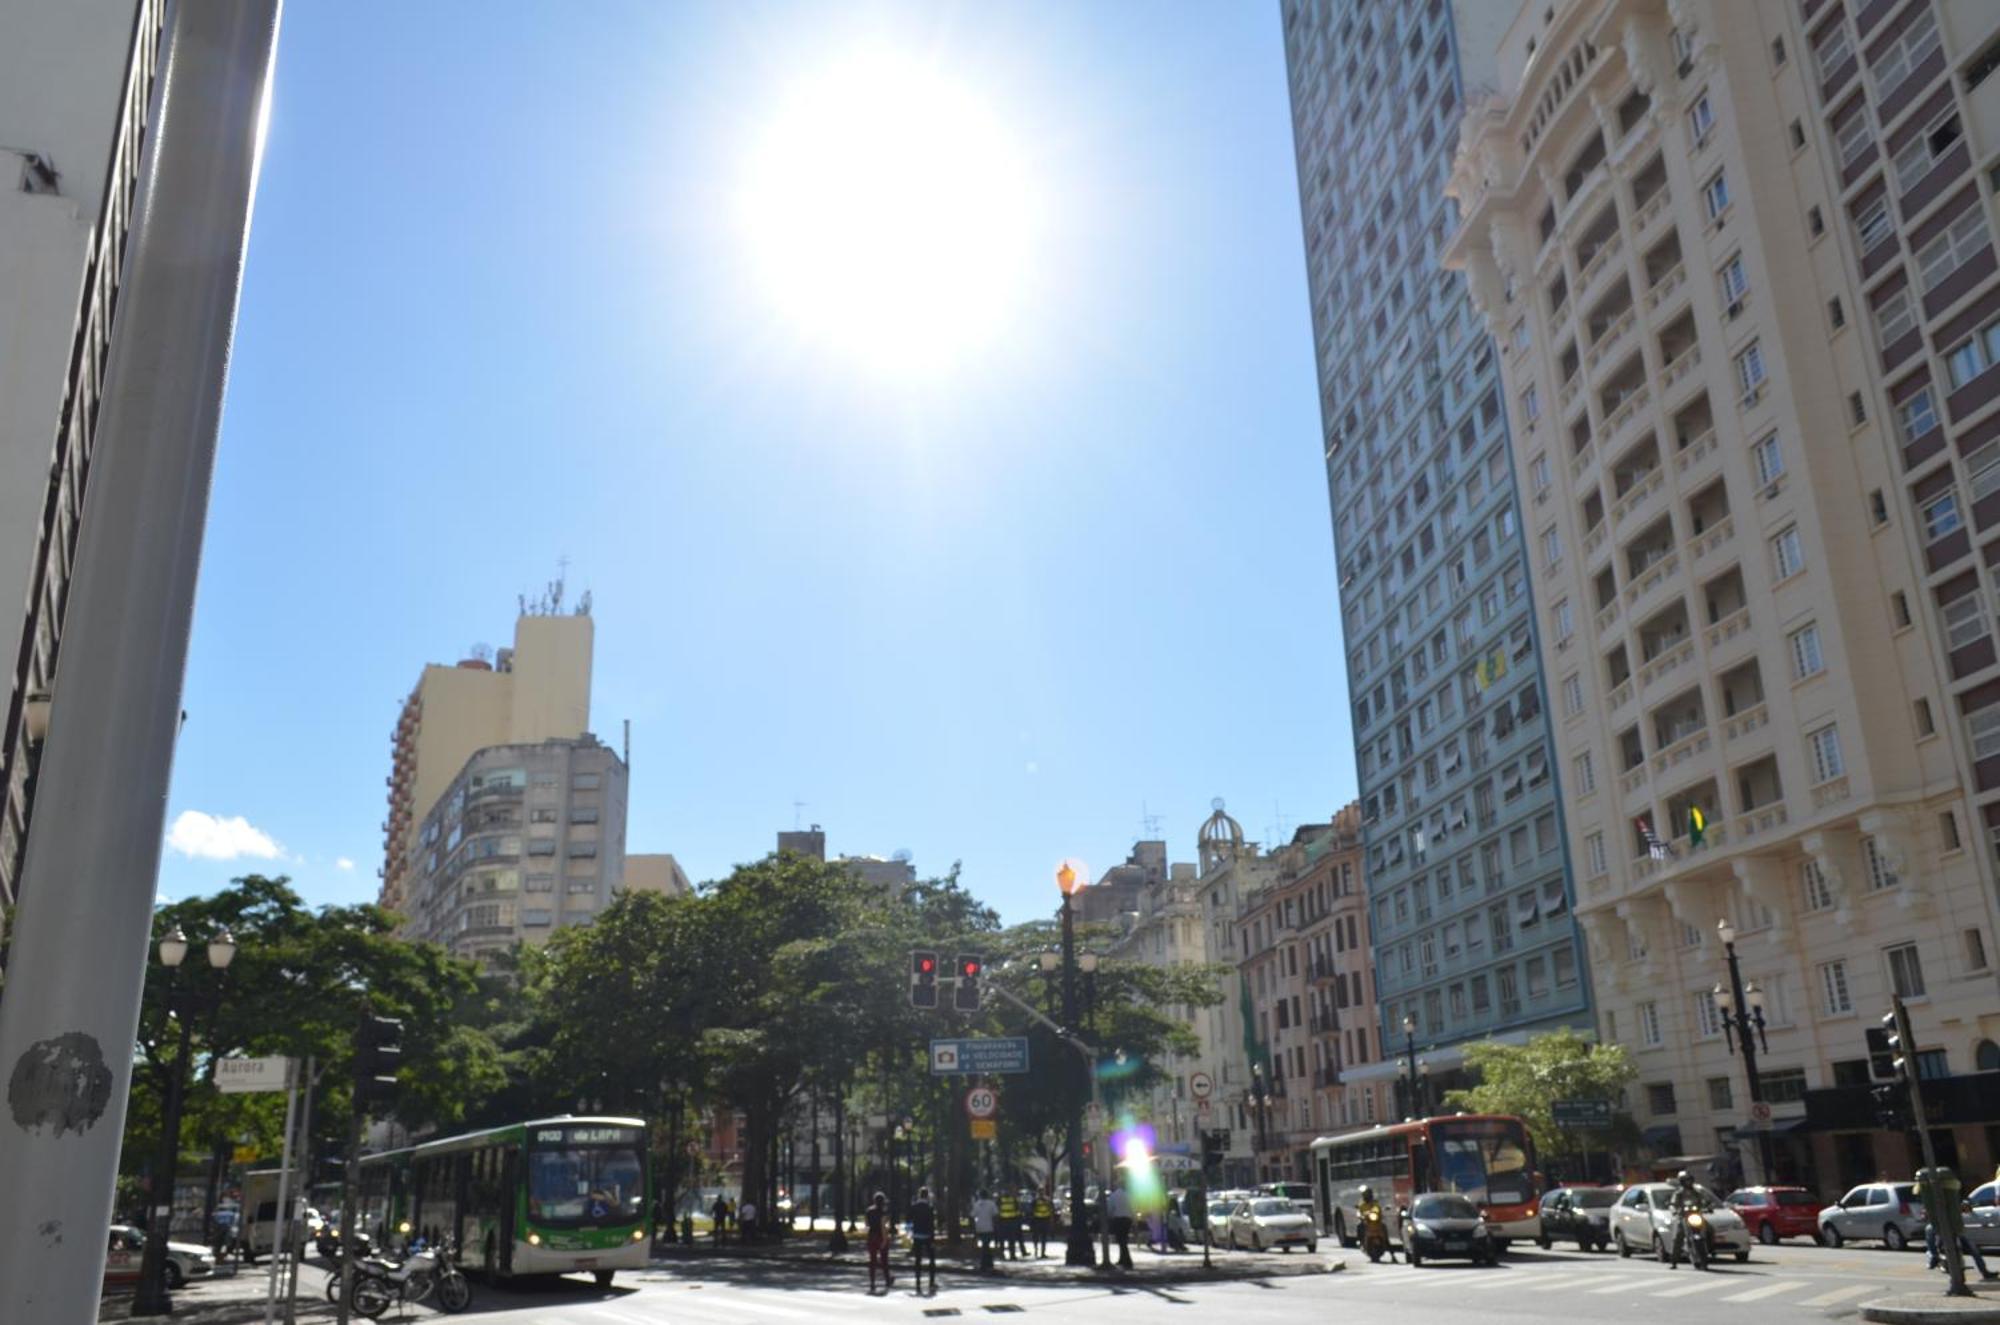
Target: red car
(1772,1213)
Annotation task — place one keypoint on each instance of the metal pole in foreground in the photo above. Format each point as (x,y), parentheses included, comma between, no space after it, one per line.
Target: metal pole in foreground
(1079,1251)
(87,888)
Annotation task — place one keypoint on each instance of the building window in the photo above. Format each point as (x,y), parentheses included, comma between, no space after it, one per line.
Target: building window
(1777,52)
(1873,226)
(1750,370)
(540,883)
(1908,51)
(1832,51)
(1806,657)
(1895,317)
(1984,726)
(1933,1064)
(1660,1098)
(1788,556)
(1975,950)
(1715,196)
(1649,1025)
(1983,466)
(1824,747)
(1735,283)
(1798,136)
(1538,473)
(1813,887)
(1768,460)
(1784,1085)
(1966,360)
(1927,726)
(1941,516)
(1960,242)
(1565,622)
(1701,118)
(1719,1098)
(1881,874)
(1815,221)
(537,917)
(1906,970)
(1916,416)
(1834,996)
(1853,138)
(1572,687)
(1593,854)
(585,781)
(1586,774)
(1531,404)
(1707,1017)
(1922,152)
(1964,619)
(1836,313)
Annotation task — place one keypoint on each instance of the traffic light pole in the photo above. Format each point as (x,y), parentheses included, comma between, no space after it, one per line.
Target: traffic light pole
(1944,1221)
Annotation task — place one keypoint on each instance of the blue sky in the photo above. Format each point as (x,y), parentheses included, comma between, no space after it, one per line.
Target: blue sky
(501,309)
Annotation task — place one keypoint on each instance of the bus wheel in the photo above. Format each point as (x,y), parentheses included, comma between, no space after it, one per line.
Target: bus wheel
(604,1277)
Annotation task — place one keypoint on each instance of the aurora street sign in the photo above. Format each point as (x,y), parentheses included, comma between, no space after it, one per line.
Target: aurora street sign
(974,1057)
(1580,1113)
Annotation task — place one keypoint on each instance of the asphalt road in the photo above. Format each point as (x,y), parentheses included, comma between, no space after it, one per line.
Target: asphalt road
(1786,1283)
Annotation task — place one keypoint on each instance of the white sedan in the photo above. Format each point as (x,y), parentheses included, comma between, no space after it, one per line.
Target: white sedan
(1643,1221)
(1264,1222)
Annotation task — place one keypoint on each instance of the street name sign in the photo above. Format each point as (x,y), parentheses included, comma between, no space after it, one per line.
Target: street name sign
(246,1076)
(975,1057)
(1581,1113)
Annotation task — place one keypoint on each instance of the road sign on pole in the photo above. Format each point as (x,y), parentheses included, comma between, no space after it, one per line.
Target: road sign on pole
(982,1101)
(979,1057)
(984,1129)
(249,1076)
(1201,1085)
(1581,1113)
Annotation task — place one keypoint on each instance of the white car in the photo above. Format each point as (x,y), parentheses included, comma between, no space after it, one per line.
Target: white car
(1264,1222)
(1643,1221)
(1982,1217)
(1891,1211)
(185,1260)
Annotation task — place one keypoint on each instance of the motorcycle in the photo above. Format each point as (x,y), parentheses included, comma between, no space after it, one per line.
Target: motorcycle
(1374,1235)
(428,1274)
(1694,1231)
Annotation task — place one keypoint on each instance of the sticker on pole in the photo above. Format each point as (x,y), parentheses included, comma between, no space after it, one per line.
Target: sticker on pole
(247,1076)
(1201,1085)
(982,1101)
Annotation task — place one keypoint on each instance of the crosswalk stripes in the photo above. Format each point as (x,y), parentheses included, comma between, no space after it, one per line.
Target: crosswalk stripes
(1701,1284)
(1621,1284)
(1833,1296)
(1771,1289)
(1562,1282)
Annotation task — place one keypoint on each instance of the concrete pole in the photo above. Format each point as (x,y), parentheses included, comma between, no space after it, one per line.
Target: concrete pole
(87,887)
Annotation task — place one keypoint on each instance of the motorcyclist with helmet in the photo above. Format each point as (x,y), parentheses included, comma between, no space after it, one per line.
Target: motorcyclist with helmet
(1687,1198)
(1374,1227)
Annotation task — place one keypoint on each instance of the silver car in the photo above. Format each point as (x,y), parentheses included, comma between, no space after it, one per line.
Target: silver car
(1643,1221)
(1890,1211)
(1264,1222)
(1982,1217)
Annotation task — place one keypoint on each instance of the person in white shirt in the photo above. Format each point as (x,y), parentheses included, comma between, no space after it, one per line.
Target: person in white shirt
(985,1212)
(1118,1205)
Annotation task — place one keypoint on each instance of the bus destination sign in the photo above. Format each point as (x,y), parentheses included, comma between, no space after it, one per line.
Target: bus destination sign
(587,1136)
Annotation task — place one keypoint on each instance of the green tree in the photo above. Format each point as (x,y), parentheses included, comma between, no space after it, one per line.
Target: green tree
(1527,1079)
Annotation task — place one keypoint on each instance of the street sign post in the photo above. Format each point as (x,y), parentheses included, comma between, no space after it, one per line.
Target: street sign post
(982,1101)
(984,1129)
(979,1057)
(1201,1085)
(1581,1113)
(249,1076)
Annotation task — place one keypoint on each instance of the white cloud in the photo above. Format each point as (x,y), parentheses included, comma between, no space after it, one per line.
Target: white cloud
(344,863)
(211,837)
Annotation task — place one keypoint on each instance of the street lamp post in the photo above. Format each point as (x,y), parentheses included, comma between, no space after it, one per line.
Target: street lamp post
(1260,1113)
(152,1298)
(1410,1096)
(1746,1014)
(1079,1250)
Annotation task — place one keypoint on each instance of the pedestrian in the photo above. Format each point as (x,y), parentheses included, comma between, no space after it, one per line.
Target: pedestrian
(719,1214)
(879,1229)
(1041,1213)
(746,1220)
(984,1213)
(923,1237)
(1118,1208)
(1010,1223)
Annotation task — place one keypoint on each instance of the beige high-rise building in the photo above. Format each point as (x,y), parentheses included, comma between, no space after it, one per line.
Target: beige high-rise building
(1738,259)
(538,690)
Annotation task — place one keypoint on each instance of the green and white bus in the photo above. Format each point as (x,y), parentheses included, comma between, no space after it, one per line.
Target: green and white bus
(549,1196)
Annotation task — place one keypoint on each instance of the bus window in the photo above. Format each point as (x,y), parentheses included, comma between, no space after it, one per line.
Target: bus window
(1487,1161)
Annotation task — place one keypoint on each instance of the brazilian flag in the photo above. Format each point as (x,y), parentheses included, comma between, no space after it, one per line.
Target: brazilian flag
(1697,822)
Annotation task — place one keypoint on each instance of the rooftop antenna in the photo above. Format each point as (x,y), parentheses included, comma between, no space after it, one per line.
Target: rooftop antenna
(798,814)
(1277,824)
(1149,823)
(628,743)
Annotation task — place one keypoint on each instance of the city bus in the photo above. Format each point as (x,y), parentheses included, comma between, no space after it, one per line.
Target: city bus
(1485,1157)
(548,1196)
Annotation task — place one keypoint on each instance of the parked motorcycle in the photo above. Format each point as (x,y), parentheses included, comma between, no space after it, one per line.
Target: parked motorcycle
(430,1274)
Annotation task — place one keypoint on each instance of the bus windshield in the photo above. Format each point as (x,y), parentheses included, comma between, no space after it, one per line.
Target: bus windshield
(578,1184)
(1485,1160)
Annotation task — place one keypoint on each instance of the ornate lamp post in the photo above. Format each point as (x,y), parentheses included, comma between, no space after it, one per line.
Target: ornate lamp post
(152,1298)
(1260,1113)
(1745,1014)
(1079,1250)
(1411,1099)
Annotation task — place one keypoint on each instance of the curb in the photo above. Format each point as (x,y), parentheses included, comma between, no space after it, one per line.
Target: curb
(1933,1309)
(1052,1274)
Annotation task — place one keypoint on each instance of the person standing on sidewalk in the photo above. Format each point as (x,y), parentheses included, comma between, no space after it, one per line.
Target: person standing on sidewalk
(1040,1214)
(746,1221)
(1118,1207)
(719,1212)
(879,1230)
(984,1212)
(1010,1223)
(923,1238)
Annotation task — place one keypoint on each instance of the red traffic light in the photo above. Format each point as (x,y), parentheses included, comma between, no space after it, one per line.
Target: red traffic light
(926,964)
(970,966)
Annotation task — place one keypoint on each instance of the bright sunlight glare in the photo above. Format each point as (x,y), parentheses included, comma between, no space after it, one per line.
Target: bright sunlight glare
(889,215)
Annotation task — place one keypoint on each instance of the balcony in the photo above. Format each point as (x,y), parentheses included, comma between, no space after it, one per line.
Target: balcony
(1606,588)
(1608,322)
(1597,247)
(1649,193)
(1734,626)
(1643,483)
(1650,561)
(1669,661)
(1830,793)
(1630,400)
(1749,720)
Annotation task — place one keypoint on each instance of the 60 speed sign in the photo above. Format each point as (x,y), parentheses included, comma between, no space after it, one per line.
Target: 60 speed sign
(982,1101)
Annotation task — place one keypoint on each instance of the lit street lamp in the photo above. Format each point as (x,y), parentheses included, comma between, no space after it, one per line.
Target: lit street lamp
(152,1298)
(1260,1113)
(1747,1002)
(1079,1250)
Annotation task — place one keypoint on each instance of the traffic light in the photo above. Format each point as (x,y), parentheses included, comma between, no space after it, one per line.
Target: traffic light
(378,1052)
(1902,1052)
(1892,1112)
(1881,1058)
(1213,1146)
(923,979)
(965,997)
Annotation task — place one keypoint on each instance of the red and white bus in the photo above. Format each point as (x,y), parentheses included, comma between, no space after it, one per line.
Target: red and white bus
(1485,1157)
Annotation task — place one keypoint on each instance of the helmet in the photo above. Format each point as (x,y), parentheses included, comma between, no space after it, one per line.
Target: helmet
(1367,1193)
(1684,1179)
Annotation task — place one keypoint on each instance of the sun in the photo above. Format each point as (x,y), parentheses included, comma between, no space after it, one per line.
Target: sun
(889,216)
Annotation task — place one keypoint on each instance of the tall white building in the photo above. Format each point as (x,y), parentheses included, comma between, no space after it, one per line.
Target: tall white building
(76,79)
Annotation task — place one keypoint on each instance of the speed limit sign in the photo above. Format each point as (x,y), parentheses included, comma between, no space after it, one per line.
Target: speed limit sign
(982,1101)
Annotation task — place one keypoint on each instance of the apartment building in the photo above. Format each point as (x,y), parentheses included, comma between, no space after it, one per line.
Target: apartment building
(1739,259)
(1472,922)
(537,690)
(76,83)
(526,839)
(893,874)
(1303,956)
(1164,927)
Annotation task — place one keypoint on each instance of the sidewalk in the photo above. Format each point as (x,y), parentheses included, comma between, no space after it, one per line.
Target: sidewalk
(1934,1308)
(232,1300)
(808,1252)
